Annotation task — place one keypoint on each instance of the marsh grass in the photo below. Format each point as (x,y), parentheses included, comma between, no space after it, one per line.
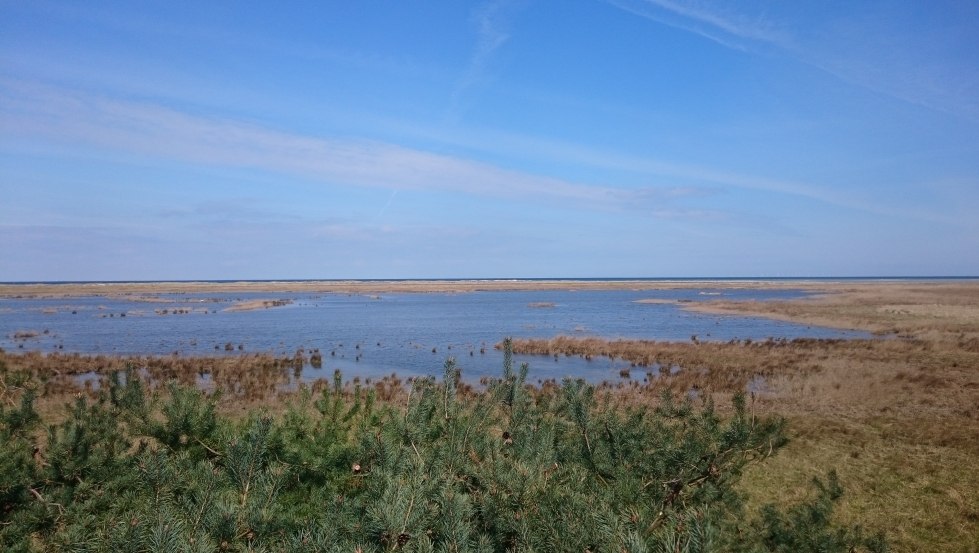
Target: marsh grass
(898,418)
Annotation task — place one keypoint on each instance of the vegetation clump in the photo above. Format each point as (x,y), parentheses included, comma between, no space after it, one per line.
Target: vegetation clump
(503,470)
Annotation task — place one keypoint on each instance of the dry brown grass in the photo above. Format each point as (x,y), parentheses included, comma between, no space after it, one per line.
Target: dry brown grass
(148,289)
(240,382)
(898,416)
(249,377)
(934,310)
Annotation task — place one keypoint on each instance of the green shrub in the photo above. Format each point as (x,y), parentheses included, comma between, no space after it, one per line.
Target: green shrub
(508,469)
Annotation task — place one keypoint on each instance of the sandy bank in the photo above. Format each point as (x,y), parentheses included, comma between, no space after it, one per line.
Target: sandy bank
(142,290)
(257,304)
(911,308)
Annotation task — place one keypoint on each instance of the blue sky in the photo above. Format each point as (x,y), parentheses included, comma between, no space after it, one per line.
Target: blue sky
(581,138)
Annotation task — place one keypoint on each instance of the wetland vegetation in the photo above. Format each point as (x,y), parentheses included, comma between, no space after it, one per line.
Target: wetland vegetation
(444,468)
(896,417)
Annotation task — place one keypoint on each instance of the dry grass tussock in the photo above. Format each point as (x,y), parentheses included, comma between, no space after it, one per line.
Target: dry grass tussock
(241,382)
(832,377)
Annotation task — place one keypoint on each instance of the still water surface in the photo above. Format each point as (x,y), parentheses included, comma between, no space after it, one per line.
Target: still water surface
(387,333)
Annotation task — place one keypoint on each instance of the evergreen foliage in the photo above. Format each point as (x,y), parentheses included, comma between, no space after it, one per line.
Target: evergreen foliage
(504,470)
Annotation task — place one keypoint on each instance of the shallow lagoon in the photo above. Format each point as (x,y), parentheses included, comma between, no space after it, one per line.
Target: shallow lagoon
(371,336)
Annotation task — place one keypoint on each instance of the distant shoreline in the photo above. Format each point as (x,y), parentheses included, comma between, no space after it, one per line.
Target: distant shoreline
(878,306)
(501,279)
(815,284)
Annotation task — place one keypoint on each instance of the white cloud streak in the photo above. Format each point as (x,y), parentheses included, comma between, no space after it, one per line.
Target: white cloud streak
(490,37)
(30,110)
(737,26)
(709,181)
(41,112)
(868,50)
(727,29)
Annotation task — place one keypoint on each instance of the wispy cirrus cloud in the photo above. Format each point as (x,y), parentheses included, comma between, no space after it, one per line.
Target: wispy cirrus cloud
(870,48)
(688,180)
(490,36)
(728,28)
(876,51)
(37,111)
(34,111)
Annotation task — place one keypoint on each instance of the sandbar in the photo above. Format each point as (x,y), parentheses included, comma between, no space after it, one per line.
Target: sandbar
(144,290)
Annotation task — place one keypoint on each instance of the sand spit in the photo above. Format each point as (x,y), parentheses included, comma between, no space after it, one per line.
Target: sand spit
(922,310)
(143,289)
(252,305)
(884,307)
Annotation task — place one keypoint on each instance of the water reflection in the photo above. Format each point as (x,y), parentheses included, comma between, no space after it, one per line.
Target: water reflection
(374,336)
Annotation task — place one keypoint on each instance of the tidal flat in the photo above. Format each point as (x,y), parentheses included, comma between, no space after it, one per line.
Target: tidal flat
(894,408)
(387,331)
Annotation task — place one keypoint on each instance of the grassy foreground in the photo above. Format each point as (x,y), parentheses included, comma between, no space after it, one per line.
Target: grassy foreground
(562,469)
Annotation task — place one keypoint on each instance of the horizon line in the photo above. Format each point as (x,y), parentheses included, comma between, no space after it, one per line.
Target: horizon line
(501,279)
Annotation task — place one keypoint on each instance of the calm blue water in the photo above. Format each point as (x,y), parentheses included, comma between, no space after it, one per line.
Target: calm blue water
(396,333)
